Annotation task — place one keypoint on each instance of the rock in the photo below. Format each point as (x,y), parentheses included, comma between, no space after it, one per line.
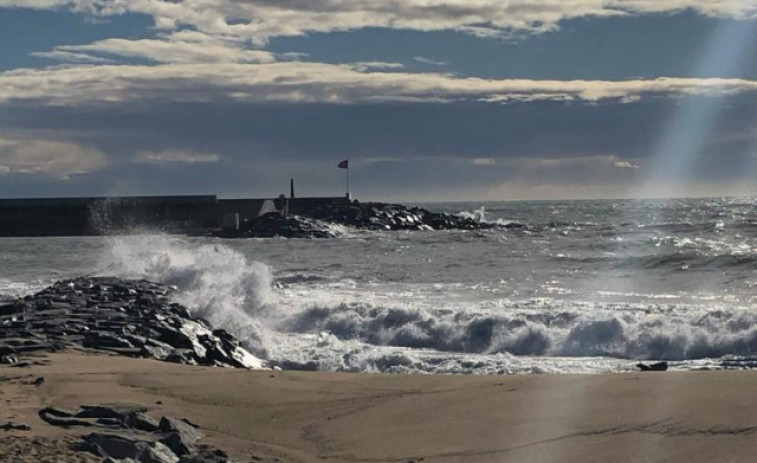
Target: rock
(273,225)
(11,426)
(659,366)
(141,422)
(39,381)
(118,412)
(133,318)
(124,433)
(189,432)
(137,447)
(53,417)
(178,445)
(382,216)
(216,456)
(181,436)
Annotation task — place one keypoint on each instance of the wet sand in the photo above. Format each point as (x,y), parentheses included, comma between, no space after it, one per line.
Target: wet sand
(307,417)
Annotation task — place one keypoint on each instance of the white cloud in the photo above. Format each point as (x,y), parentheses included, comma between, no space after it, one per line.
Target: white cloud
(174,157)
(181,47)
(625,165)
(304,82)
(424,60)
(71,57)
(260,20)
(375,65)
(56,159)
(484,161)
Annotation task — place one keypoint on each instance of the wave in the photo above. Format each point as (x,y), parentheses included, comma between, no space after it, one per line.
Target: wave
(623,331)
(665,262)
(214,281)
(344,331)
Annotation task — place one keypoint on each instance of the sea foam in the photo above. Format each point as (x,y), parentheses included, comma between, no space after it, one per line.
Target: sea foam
(313,323)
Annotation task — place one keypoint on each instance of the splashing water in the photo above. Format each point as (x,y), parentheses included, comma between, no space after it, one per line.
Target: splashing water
(215,282)
(478,215)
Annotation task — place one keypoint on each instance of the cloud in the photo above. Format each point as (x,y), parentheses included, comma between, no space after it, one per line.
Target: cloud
(307,82)
(259,20)
(484,161)
(364,66)
(174,157)
(71,57)
(625,165)
(57,159)
(424,60)
(181,47)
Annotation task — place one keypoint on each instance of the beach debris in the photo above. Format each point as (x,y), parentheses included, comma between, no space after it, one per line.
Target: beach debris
(12,426)
(134,318)
(39,381)
(659,366)
(126,433)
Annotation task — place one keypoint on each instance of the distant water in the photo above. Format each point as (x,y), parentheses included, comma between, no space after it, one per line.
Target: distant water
(572,286)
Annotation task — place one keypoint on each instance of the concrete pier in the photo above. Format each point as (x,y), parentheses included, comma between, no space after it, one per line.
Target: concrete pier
(127,214)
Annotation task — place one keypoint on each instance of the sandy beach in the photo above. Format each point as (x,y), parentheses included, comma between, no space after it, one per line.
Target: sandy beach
(306,417)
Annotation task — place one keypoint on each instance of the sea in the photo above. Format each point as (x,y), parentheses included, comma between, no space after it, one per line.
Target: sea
(564,287)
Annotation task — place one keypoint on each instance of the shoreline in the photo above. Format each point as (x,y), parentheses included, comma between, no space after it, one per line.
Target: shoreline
(349,417)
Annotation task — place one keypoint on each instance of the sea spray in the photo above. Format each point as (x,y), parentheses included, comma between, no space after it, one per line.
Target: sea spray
(216,282)
(309,321)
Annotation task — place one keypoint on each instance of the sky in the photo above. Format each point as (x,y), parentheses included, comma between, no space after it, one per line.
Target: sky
(430,100)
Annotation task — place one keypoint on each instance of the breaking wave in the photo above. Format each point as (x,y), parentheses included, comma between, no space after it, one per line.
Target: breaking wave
(589,330)
(214,281)
(346,331)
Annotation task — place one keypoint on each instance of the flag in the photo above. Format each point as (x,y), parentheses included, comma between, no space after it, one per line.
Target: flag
(344,164)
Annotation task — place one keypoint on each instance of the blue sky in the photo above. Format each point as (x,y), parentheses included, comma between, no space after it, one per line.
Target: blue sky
(448,100)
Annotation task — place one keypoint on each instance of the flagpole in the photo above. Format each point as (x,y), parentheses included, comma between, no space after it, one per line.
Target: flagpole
(348,181)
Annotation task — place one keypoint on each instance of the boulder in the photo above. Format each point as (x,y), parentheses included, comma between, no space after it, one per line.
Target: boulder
(133,318)
(659,366)
(12,426)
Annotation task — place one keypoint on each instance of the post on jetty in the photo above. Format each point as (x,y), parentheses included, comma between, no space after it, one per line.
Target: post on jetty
(346,166)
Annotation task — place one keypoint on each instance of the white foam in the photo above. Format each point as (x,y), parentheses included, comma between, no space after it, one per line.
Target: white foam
(11,288)
(353,326)
(215,282)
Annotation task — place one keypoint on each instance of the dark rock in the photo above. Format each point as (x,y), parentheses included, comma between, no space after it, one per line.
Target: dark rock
(273,225)
(109,411)
(138,447)
(189,432)
(127,317)
(310,221)
(215,456)
(125,434)
(11,426)
(39,381)
(51,416)
(659,366)
(178,444)
(61,412)
(141,422)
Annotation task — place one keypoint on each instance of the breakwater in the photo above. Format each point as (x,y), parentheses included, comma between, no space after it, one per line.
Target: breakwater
(194,215)
(124,317)
(210,216)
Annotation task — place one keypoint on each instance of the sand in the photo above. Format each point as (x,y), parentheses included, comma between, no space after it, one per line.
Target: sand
(306,417)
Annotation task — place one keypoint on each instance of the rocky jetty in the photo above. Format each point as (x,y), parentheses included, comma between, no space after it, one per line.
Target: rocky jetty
(383,216)
(274,225)
(126,317)
(126,433)
(316,221)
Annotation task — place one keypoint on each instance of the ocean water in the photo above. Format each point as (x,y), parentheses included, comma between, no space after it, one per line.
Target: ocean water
(569,287)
